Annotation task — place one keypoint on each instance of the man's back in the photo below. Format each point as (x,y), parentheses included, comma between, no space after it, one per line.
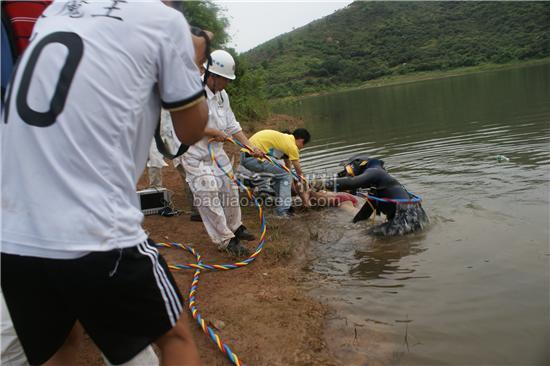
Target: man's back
(276,144)
(79,118)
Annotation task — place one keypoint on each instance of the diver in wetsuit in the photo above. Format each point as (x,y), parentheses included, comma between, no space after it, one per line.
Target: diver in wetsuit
(402,213)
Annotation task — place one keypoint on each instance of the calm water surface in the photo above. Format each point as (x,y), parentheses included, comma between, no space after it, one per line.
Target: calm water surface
(472,289)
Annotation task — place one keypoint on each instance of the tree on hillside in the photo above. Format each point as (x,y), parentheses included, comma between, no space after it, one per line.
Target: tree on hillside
(369,39)
(208,15)
(248,99)
(248,92)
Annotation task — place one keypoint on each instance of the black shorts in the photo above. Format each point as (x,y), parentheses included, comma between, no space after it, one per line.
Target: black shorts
(125,299)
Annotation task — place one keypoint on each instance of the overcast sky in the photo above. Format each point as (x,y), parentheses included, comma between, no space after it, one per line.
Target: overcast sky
(255,22)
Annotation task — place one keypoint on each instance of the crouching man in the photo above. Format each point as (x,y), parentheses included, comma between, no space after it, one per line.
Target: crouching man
(285,146)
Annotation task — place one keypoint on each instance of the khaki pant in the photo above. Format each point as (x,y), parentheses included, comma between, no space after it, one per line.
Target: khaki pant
(216,197)
(186,190)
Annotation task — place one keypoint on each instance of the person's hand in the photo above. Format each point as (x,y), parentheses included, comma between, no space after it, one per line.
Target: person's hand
(303,191)
(256,152)
(219,136)
(305,199)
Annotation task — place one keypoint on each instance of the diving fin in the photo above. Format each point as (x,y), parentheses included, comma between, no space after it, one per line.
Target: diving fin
(364,213)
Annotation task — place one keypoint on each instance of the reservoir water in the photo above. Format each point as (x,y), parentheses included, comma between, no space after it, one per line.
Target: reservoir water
(473,288)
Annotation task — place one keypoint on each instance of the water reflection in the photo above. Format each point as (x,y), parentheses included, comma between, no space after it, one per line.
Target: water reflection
(345,252)
(382,261)
(473,288)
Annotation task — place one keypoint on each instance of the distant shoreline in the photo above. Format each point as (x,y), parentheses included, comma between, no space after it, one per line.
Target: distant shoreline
(417,76)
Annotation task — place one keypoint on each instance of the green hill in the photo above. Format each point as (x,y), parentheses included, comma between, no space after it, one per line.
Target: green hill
(367,40)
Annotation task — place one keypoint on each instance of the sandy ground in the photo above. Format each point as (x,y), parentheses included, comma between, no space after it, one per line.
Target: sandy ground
(262,311)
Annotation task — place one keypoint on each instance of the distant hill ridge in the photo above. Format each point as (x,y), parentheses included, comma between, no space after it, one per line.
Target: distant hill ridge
(367,40)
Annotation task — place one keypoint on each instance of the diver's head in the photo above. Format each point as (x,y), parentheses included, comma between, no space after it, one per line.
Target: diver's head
(374,163)
(358,166)
(354,168)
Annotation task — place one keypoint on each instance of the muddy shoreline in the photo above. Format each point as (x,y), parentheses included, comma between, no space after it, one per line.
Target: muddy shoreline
(262,311)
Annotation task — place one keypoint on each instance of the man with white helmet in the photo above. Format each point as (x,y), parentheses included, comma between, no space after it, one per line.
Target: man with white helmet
(217,197)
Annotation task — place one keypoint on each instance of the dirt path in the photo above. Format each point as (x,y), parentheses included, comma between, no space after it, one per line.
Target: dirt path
(262,310)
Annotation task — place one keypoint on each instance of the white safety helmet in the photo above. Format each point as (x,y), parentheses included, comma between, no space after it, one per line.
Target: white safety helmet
(222,64)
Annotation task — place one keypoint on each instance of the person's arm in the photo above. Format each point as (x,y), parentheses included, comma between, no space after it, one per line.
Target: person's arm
(301,186)
(217,135)
(189,123)
(241,137)
(365,180)
(179,82)
(234,128)
(297,167)
(287,164)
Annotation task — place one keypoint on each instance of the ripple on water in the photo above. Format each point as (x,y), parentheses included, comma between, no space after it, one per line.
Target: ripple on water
(475,279)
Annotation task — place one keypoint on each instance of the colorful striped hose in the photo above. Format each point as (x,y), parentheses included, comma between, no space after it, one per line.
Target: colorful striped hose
(199,265)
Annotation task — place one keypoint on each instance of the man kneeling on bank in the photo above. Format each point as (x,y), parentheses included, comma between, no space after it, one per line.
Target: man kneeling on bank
(285,146)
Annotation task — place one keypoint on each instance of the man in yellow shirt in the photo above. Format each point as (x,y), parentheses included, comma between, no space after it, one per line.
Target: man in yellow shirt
(279,146)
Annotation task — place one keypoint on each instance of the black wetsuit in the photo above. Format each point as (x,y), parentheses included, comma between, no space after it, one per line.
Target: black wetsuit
(370,174)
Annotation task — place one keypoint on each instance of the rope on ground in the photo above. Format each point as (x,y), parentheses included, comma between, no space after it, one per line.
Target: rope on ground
(199,265)
(222,346)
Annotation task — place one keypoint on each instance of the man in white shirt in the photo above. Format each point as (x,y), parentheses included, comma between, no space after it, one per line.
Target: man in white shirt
(215,196)
(157,161)
(79,117)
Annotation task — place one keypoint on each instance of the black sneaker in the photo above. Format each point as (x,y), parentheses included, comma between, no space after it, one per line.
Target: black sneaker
(243,234)
(236,248)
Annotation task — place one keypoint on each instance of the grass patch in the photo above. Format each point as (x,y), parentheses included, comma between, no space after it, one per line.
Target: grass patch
(283,238)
